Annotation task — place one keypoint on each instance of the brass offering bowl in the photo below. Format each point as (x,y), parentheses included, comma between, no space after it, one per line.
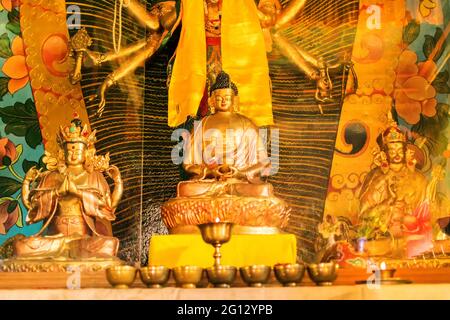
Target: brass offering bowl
(255,275)
(121,277)
(216,234)
(323,274)
(154,276)
(387,274)
(188,277)
(221,276)
(289,274)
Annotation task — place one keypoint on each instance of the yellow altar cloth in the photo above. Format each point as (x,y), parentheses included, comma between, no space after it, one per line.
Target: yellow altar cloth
(242,250)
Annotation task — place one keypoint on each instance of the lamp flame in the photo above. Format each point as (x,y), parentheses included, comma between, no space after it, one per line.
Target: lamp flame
(217,220)
(383,265)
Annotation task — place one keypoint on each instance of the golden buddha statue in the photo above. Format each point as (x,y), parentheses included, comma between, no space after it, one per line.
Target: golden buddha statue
(228,164)
(395,196)
(73,200)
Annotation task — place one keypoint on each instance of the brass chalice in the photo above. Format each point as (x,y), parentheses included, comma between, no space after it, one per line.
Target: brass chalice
(221,276)
(188,277)
(323,274)
(154,276)
(255,275)
(289,274)
(121,277)
(216,234)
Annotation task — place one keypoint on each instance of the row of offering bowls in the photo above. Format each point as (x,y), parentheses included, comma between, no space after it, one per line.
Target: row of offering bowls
(222,276)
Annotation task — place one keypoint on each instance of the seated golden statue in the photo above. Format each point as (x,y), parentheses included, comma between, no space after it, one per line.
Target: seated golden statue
(73,200)
(228,164)
(394,198)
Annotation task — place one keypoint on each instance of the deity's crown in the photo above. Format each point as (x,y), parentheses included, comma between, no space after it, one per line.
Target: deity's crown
(393,133)
(76,132)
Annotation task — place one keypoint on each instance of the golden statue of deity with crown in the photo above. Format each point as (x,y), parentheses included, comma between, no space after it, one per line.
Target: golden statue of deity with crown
(395,198)
(75,204)
(228,165)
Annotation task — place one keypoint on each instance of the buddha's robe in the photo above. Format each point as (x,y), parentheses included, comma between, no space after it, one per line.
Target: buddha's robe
(83,222)
(96,216)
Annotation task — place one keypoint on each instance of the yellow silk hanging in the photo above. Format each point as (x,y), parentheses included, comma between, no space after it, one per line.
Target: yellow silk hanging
(188,79)
(243,57)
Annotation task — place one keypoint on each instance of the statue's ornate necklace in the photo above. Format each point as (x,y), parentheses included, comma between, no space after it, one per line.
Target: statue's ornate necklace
(212,24)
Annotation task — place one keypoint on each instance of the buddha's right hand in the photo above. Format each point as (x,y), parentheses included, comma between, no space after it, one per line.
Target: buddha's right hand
(197,172)
(101,104)
(30,177)
(32,174)
(97,58)
(64,187)
(102,94)
(226,172)
(267,13)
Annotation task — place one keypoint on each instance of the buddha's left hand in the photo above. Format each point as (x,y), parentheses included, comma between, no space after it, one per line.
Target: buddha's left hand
(102,93)
(226,171)
(96,57)
(267,13)
(114,173)
(72,188)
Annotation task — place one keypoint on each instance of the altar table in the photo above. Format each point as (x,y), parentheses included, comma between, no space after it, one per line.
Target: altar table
(429,283)
(357,292)
(242,250)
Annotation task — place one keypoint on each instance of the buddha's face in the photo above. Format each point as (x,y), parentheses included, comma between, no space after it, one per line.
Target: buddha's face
(223,99)
(396,152)
(75,153)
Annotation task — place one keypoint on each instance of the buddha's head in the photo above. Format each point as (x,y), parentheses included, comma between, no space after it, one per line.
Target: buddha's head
(75,153)
(223,94)
(396,152)
(394,145)
(76,142)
